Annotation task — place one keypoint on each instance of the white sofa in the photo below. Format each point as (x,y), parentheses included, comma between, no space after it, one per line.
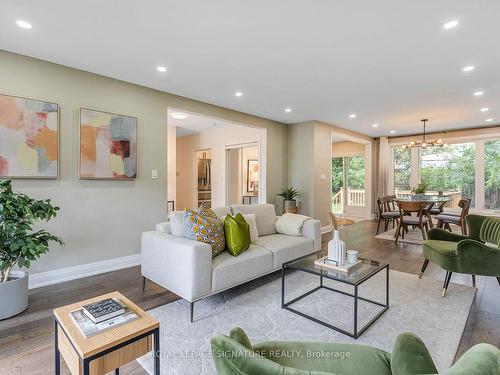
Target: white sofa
(186,267)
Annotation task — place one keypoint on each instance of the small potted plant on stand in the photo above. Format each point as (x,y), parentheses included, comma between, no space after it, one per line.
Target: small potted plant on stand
(289,194)
(20,244)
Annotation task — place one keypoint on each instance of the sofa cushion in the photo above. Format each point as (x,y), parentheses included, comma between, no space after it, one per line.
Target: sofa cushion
(254,233)
(222,211)
(228,271)
(176,219)
(205,229)
(265,216)
(237,233)
(285,248)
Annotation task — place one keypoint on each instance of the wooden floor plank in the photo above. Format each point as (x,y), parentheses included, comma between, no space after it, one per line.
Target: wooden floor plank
(26,341)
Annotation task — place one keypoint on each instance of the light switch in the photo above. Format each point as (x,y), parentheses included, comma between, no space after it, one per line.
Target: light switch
(322,177)
(154,174)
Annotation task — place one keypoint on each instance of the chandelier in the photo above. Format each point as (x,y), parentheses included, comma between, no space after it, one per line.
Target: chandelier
(424,143)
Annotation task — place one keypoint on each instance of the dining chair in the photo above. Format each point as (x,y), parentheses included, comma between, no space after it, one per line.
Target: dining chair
(385,214)
(445,219)
(437,208)
(406,219)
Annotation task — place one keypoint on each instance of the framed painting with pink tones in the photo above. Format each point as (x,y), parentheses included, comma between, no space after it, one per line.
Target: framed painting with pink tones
(29,138)
(108,146)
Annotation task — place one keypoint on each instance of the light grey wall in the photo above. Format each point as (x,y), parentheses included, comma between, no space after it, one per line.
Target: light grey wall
(301,164)
(104,219)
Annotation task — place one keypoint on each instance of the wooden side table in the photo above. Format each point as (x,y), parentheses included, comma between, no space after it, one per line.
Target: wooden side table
(106,351)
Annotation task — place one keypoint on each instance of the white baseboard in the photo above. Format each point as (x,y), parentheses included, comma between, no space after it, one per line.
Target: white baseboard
(38,280)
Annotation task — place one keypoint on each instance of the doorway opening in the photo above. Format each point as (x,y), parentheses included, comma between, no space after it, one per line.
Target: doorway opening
(243,174)
(198,159)
(351,176)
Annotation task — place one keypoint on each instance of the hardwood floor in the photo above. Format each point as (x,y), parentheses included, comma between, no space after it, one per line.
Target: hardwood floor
(26,341)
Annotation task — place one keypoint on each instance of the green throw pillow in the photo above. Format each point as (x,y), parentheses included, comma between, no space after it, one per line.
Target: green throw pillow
(237,233)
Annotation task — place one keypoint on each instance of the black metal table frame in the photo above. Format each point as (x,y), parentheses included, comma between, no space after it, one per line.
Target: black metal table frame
(85,362)
(356,333)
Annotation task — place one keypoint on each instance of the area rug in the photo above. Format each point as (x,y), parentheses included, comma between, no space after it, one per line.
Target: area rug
(415,306)
(414,236)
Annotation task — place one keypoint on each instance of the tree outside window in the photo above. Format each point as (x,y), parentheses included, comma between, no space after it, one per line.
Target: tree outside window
(449,169)
(492,175)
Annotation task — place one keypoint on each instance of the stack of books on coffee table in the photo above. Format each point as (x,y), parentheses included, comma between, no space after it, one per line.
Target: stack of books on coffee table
(102,315)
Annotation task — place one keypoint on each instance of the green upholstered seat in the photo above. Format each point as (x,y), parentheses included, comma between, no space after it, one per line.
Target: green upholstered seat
(235,355)
(478,253)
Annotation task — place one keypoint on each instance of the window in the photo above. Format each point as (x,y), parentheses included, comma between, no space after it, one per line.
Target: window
(402,171)
(492,175)
(449,169)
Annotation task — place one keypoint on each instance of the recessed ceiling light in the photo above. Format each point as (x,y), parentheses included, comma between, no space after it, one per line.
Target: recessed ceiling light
(450,24)
(392,131)
(24,24)
(161,69)
(375,125)
(468,68)
(478,93)
(489,120)
(179,115)
(288,110)
(238,93)
(352,115)
(485,109)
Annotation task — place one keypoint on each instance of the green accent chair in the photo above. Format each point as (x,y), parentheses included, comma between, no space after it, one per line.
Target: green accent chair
(465,254)
(235,355)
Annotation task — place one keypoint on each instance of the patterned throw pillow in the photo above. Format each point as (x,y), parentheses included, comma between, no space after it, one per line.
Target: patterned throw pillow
(203,228)
(207,211)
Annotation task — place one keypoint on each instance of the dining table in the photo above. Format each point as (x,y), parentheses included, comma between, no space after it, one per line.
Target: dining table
(430,199)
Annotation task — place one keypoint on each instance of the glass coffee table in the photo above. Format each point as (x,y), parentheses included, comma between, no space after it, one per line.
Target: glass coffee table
(364,272)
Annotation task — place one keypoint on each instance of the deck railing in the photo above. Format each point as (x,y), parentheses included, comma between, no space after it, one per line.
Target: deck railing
(355,197)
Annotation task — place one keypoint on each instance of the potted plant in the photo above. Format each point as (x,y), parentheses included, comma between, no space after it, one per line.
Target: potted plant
(421,188)
(289,194)
(20,244)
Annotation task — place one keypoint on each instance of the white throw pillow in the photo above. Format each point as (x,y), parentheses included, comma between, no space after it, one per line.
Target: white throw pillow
(291,224)
(254,234)
(176,219)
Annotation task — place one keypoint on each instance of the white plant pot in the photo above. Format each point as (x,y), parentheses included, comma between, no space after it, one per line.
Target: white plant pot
(14,294)
(336,248)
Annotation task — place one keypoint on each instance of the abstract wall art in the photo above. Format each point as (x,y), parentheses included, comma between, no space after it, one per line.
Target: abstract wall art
(29,138)
(108,145)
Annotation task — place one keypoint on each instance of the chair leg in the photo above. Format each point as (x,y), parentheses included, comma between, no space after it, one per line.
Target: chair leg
(393,222)
(378,224)
(448,227)
(143,283)
(405,229)
(447,279)
(386,225)
(191,310)
(440,224)
(474,281)
(398,232)
(424,266)
(423,231)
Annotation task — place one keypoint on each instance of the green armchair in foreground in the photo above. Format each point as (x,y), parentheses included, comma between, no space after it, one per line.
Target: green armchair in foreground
(235,355)
(466,254)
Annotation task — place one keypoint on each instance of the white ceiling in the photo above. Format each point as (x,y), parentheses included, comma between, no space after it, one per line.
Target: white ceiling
(194,123)
(388,61)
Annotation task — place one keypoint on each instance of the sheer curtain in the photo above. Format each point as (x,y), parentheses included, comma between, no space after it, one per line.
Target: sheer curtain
(384,165)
